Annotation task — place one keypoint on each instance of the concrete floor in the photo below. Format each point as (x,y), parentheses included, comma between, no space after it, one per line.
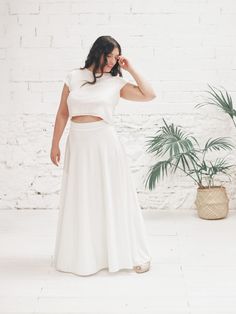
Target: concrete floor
(193,269)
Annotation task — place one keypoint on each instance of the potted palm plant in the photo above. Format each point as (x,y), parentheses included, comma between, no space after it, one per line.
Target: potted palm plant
(181,151)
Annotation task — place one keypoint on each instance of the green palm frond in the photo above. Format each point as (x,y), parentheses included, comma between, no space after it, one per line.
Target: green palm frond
(218,99)
(220,165)
(156,172)
(170,139)
(218,144)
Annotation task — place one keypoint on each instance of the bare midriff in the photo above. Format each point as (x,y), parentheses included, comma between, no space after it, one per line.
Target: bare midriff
(85,118)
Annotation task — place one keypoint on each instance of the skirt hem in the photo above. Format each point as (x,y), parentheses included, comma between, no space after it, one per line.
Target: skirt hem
(110,270)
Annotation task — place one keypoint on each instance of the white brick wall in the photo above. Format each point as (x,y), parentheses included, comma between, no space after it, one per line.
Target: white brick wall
(179,46)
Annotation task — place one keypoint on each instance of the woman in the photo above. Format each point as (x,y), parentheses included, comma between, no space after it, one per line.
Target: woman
(100,224)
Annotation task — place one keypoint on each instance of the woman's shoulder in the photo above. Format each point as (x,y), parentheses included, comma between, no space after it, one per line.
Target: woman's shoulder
(71,76)
(121,81)
(75,71)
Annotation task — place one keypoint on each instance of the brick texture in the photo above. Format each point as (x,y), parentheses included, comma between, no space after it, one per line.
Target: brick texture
(178,46)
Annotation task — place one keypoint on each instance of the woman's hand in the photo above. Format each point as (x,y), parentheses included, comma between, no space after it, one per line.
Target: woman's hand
(55,155)
(124,63)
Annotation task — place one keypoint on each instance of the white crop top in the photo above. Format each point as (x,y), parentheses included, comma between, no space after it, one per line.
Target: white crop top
(99,99)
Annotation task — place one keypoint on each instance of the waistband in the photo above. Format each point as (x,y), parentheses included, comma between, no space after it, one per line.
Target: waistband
(89,125)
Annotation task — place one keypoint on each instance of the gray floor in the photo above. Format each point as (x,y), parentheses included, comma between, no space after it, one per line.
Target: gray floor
(193,269)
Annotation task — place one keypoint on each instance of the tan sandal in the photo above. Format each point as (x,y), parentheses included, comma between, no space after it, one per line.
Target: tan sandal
(142,268)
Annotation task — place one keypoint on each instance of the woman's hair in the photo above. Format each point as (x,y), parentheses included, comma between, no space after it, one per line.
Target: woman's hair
(103,45)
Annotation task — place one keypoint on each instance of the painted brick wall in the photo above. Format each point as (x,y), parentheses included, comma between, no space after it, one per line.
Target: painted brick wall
(179,46)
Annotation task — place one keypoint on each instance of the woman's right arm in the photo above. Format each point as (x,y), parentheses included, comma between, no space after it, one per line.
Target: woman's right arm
(60,123)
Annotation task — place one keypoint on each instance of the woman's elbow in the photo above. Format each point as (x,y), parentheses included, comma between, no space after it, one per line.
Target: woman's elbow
(150,96)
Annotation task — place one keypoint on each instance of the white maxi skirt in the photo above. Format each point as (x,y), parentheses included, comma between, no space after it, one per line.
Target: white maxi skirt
(100,224)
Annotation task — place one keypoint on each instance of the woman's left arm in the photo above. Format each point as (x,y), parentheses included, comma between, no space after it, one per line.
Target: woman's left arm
(140,92)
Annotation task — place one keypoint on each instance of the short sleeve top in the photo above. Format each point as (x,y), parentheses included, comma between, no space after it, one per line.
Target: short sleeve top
(99,99)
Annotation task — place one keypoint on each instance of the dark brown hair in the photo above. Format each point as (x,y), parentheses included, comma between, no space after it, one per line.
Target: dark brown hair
(103,45)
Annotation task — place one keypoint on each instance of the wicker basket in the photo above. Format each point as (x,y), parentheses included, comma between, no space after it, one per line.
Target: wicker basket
(212,203)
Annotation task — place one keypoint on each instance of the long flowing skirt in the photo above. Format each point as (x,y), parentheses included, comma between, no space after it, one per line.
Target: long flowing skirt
(100,224)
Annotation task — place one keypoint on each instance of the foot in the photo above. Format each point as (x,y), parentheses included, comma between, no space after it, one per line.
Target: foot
(142,268)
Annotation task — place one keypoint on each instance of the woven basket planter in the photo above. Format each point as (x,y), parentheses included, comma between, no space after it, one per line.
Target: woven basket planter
(212,203)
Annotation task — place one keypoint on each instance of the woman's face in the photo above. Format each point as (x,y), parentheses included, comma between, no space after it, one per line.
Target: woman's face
(112,59)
